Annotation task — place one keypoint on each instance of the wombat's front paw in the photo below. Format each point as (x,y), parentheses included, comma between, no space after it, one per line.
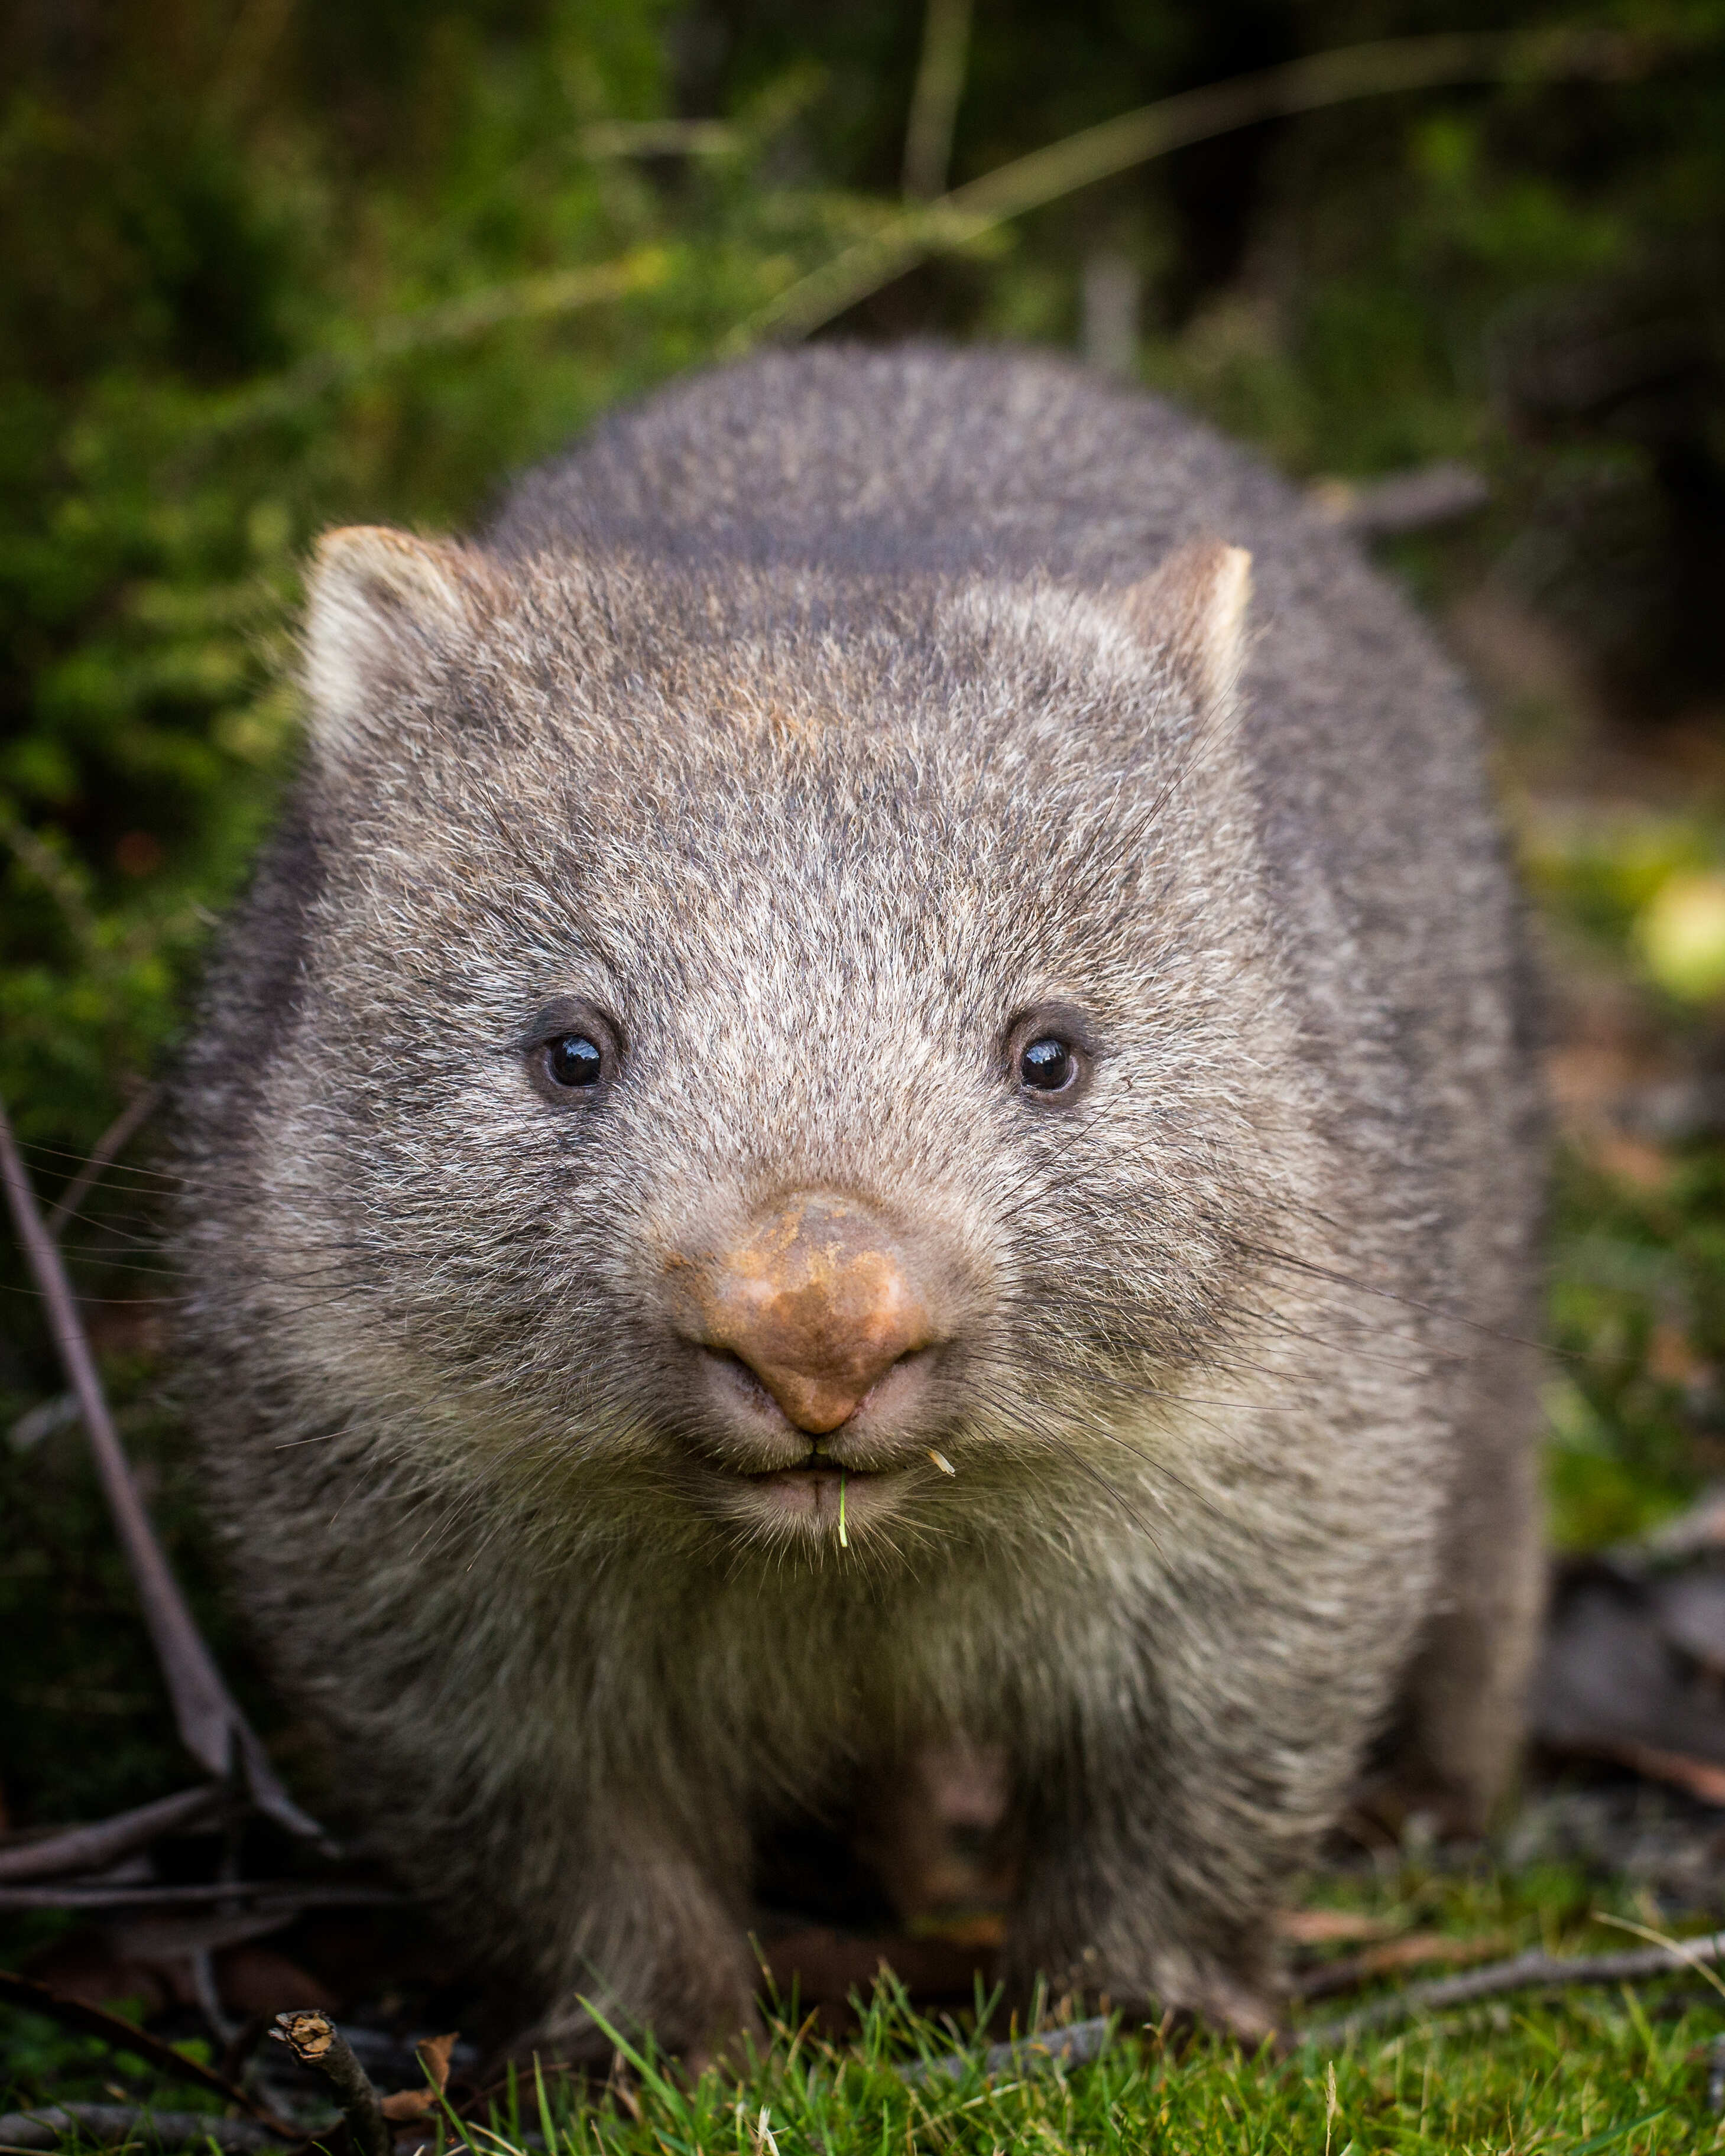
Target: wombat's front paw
(1239,2009)
(1244,2010)
(1147,1979)
(697,2031)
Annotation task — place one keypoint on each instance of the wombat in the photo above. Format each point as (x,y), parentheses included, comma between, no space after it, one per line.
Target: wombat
(875,1093)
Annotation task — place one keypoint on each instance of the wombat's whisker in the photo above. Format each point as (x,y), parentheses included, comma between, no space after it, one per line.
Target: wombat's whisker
(1129,1390)
(114,1223)
(109,1262)
(1415,1302)
(97,1301)
(318,1437)
(140,1181)
(1374,1328)
(1093,1473)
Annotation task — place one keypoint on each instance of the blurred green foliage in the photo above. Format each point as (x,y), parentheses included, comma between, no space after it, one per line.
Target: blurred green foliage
(267,266)
(1635,1413)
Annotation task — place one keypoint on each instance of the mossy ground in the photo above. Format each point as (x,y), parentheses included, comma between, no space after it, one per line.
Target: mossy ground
(1588,2071)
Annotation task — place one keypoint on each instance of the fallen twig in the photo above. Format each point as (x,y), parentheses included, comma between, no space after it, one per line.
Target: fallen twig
(111,2123)
(91,2021)
(286,1895)
(1074,2045)
(314,2040)
(77,1849)
(210,1723)
(1526,1971)
(1386,1959)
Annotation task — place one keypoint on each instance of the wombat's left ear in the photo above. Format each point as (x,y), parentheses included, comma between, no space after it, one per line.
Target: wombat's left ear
(1194,607)
(379,602)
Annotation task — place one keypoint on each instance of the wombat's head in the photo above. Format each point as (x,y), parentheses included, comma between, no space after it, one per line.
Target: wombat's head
(773,1055)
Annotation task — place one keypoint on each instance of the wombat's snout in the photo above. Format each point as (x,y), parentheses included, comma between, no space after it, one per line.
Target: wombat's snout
(820,1299)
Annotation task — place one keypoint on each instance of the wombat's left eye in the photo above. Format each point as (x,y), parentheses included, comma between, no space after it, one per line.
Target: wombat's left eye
(1050,1053)
(1048,1064)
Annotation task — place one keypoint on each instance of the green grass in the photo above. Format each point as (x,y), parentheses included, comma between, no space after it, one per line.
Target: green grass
(1592,2070)
(1589,2071)
(1595,2078)
(1597,2072)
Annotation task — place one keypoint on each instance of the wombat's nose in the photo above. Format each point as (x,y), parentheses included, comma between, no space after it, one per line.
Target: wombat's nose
(820,1300)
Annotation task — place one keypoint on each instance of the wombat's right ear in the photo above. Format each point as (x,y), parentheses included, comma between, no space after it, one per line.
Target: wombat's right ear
(1194,607)
(378,602)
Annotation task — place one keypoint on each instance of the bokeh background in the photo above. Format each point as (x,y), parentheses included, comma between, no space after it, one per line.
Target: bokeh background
(267,266)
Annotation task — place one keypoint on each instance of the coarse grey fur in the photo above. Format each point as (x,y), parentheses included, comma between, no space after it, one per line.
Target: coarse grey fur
(814,718)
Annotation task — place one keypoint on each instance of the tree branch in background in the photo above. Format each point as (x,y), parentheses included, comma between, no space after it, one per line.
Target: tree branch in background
(57,877)
(661,138)
(1379,69)
(469,314)
(934,102)
(112,1142)
(251,46)
(210,1723)
(1414,500)
(79,1849)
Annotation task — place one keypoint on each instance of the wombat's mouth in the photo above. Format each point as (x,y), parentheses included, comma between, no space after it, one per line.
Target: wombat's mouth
(816,1497)
(815,1464)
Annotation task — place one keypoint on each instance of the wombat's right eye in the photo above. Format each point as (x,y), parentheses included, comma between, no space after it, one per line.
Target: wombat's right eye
(574,1060)
(572,1053)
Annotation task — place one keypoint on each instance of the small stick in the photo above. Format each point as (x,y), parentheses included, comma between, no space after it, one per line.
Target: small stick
(285,1895)
(1403,501)
(211,1726)
(1526,1971)
(314,2040)
(113,1140)
(1075,2045)
(77,1849)
(1387,1959)
(112,2124)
